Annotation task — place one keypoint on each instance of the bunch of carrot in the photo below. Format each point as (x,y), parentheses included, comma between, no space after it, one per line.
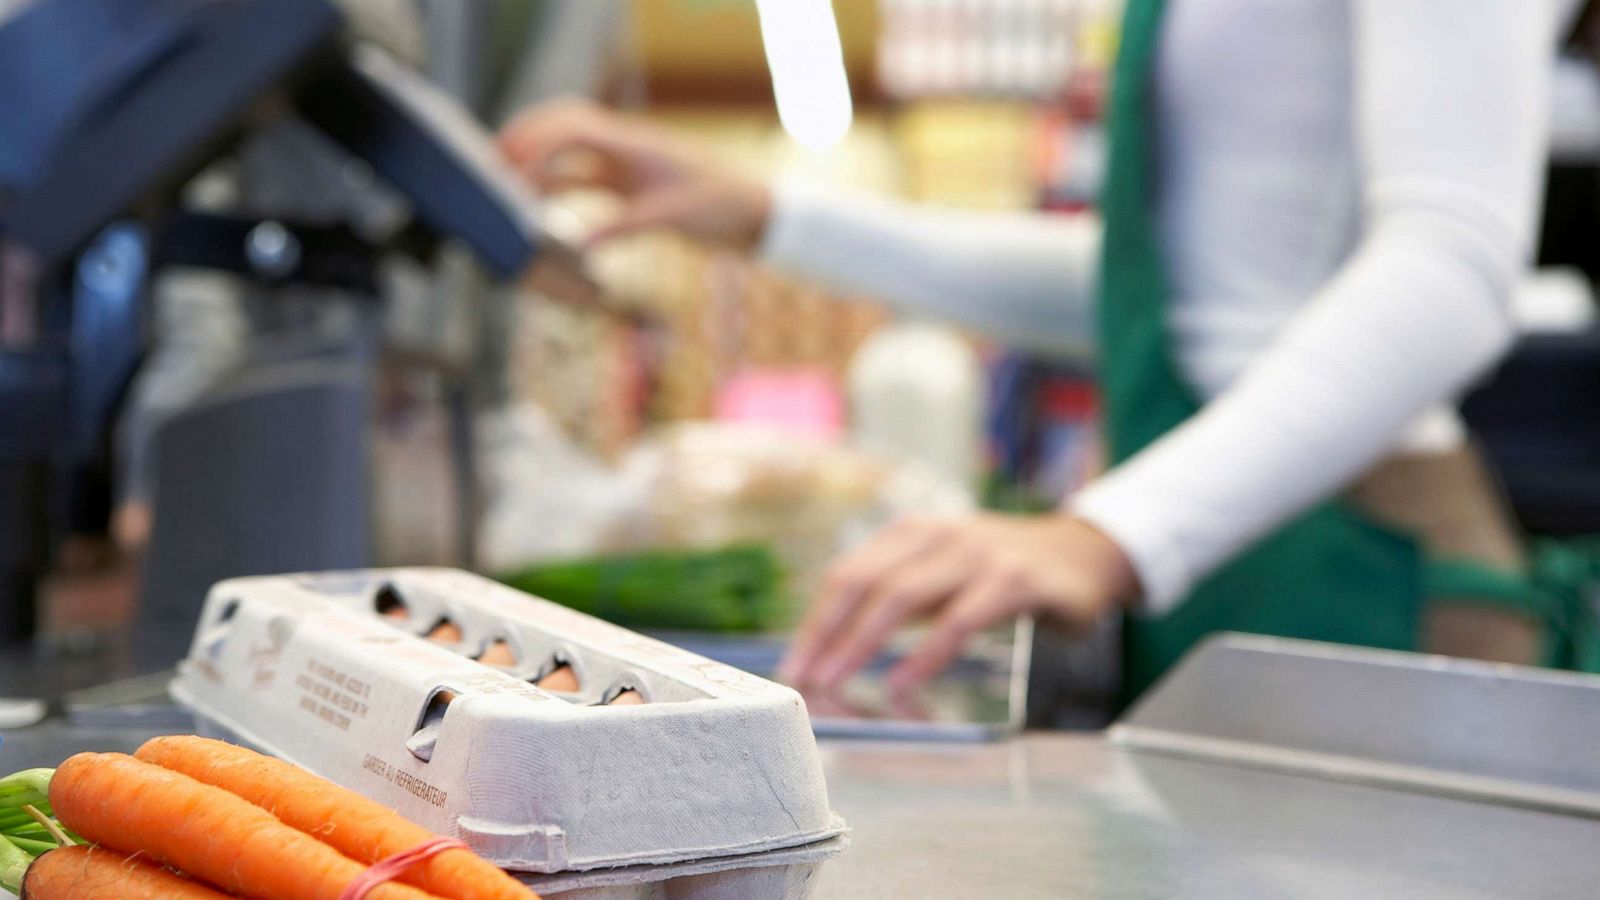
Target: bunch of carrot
(197,819)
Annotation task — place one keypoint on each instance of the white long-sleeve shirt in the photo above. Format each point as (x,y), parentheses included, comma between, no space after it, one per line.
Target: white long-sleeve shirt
(1347,191)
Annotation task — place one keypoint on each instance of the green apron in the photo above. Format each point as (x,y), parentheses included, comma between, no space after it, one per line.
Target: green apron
(1331,574)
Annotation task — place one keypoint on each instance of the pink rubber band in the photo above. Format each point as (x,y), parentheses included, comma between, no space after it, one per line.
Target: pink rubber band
(386,870)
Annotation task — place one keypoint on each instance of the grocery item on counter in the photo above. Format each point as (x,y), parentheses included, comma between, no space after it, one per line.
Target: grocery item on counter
(361,829)
(223,821)
(588,757)
(76,872)
(697,488)
(133,807)
(737,589)
(708,486)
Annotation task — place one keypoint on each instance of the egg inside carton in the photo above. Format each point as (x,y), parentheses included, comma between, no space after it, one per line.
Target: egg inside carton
(517,654)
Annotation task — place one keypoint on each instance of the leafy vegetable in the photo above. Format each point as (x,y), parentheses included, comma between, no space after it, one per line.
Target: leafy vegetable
(28,827)
(30,787)
(737,589)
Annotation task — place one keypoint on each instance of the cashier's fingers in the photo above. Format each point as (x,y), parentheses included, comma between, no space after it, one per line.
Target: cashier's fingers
(907,593)
(847,584)
(662,183)
(572,142)
(988,600)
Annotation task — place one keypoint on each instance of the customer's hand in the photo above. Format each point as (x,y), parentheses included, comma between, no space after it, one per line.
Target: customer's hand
(966,575)
(662,183)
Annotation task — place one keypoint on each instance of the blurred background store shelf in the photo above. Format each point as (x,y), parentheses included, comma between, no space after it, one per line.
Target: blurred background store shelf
(705,399)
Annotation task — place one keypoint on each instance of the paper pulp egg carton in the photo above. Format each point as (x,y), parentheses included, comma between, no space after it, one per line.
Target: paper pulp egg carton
(711,788)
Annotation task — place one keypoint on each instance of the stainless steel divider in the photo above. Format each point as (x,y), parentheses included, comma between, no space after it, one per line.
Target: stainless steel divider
(1511,735)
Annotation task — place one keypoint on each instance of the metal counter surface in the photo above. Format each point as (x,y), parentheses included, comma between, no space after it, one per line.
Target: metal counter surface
(1063,815)
(1069,816)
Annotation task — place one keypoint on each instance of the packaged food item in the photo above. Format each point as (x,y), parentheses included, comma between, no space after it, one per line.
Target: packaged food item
(705,526)
(586,756)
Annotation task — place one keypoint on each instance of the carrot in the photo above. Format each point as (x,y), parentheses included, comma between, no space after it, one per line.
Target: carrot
(131,806)
(361,829)
(87,873)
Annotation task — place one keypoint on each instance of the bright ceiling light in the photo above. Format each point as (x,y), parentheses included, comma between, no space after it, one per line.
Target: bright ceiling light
(807,63)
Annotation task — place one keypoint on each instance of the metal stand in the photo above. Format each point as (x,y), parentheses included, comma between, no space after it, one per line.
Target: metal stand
(1468,730)
(61,394)
(23,524)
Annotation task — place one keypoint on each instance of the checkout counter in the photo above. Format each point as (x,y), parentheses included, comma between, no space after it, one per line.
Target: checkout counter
(1259,768)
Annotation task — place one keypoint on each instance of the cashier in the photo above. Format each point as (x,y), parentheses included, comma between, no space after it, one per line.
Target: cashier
(1314,216)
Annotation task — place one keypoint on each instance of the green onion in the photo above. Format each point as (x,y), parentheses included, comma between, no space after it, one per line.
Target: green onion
(26,823)
(14,862)
(32,847)
(734,589)
(30,787)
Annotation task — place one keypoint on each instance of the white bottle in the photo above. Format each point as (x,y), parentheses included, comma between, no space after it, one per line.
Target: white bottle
(917,390)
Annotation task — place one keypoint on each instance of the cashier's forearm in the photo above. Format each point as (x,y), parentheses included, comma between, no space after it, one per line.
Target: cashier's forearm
(1324,404)
(1026,279)
(1418,311)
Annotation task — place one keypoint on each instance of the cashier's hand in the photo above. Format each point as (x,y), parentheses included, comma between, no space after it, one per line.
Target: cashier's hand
(966,575)
(662,184)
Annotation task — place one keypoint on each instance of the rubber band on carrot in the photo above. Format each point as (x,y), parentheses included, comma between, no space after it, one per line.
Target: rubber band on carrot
(389,869)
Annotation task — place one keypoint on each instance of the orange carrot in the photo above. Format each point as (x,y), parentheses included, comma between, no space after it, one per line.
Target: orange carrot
(131,806)
(91,873)
(364,830)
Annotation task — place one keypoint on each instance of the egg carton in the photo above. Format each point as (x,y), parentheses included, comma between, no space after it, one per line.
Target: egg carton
(774,875)
(716,771)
